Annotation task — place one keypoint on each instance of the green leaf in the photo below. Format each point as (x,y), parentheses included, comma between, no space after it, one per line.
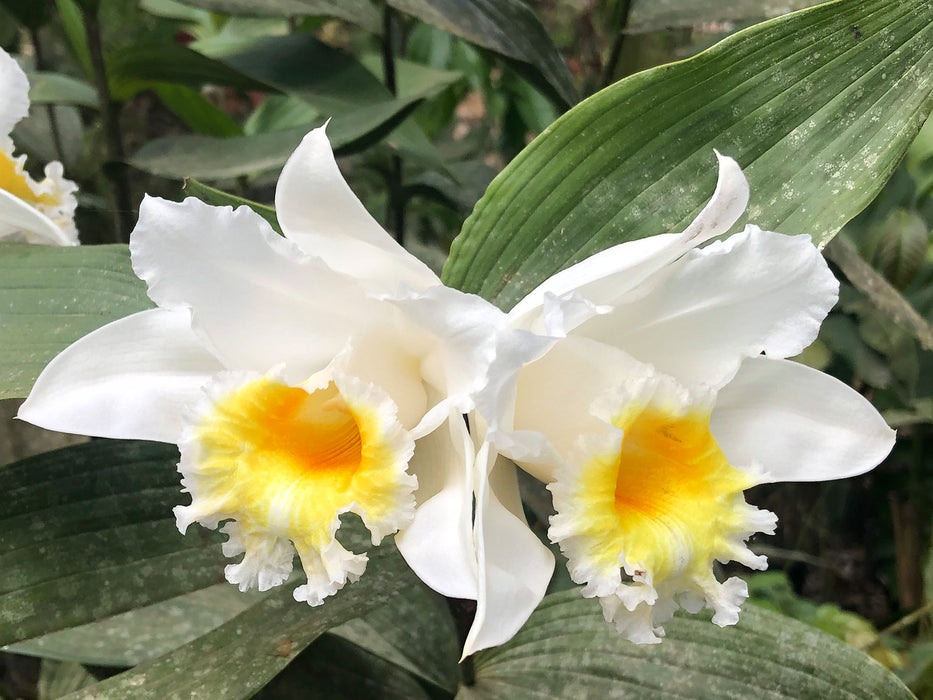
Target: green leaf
(136,68)
(73,24)
(417,633)
(884,296)
(29,13)
(243,655)
(507,27)
(818,107)
(362,13)
(56,88)
(902,247)
(566,649)
(87,532)
(200,115)
(652,16)
(143,634)
(52,296)
(337,669)
(58,678)
(218,198)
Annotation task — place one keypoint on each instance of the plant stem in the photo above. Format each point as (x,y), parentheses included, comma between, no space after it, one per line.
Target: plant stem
(53,118)
(897,626)
(395,207)
(616,52)
(110,115)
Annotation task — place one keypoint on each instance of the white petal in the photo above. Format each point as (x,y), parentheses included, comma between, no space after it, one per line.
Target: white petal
(514,566)
(465,328)
(133,378)
(14,87)
(555,396)
(438,544)
(256,297)
(21,221)
(318,210)
(604,277)
(695,320)
(797,424)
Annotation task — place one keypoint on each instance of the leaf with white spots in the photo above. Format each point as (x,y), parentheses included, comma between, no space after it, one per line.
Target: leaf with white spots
(818,107)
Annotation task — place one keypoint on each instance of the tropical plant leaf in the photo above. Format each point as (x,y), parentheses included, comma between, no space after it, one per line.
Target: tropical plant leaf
(656,15)
(136,68)
(507,27)
(87,531)
(51,297)
(56,88)
(566,649)
(362,13)
(218,198)
(145,633)
(818,107)
(197,112)
(241,656)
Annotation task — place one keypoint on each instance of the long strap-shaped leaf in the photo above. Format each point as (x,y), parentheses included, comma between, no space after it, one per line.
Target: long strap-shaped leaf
(50,297)
(818,107)
(567,650)
(241,656)
(87,532)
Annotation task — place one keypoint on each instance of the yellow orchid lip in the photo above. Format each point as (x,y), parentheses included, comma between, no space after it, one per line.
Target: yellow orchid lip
(15,180)
(647,510)
(283,462)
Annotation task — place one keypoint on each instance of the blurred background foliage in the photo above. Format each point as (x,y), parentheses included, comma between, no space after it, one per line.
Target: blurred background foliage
(429,101)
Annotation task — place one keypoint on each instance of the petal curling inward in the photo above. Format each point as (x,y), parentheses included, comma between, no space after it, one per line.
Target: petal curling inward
(645,508)
(318,211)
(283,462)
(605,276)
(14,86)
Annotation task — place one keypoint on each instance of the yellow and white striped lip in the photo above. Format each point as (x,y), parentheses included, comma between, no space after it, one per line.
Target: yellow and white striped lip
(283,462)
(644,510)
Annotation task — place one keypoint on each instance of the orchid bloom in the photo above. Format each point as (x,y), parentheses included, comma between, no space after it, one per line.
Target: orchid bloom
(30,211)
(297,375)
(664,394)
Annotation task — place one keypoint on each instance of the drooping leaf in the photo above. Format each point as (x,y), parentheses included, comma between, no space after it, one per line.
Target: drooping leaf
(56,88)
(818,107)
(568,650)
(58,678)
(218,198)
(50,297)
(655,15)
(362,13)
(508,27)
(87,531)
(136,68)
(240,657)
(902,247)
(145,633)
(198,113)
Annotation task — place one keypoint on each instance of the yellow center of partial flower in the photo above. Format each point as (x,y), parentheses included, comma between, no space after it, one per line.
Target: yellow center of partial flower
(288,461)
(18,183)
(668,499)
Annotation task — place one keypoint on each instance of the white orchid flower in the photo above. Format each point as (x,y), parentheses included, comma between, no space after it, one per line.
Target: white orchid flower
(30,211)
(666,393)
(297,375)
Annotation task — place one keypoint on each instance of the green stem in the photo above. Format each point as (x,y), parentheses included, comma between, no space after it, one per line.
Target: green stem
(110,115)
(395,207)
(53,118)
(615,52)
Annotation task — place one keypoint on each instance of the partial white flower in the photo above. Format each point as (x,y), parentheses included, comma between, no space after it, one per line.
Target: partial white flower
(30,211)
(295,383)
(663,395)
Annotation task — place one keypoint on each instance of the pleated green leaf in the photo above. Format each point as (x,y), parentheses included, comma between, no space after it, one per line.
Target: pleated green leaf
(50,297)
(507,27)
(818,107)
(87,532)
(567,650)
(240,657)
